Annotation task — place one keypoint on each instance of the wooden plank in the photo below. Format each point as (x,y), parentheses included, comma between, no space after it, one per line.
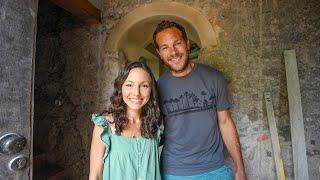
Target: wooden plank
(274,137)
(296,118)
(82,9)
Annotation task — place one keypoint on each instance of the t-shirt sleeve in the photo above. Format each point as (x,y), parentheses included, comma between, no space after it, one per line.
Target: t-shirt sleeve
(223,102)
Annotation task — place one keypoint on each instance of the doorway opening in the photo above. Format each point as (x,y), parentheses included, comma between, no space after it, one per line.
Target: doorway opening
(67,49)
(132,37)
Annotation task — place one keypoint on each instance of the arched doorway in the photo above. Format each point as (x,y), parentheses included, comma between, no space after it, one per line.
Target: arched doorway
(132,36)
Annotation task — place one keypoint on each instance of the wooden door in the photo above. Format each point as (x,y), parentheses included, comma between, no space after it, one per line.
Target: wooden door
(17,53)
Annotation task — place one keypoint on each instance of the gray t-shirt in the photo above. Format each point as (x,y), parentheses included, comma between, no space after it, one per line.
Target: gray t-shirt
(193,143)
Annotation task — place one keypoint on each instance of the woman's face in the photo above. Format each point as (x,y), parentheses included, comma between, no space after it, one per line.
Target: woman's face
(136,89)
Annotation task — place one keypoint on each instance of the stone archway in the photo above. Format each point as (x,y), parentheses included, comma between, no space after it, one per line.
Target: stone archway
(198,27)
(132,36)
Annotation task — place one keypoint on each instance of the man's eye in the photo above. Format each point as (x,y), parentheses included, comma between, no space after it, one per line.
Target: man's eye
(178,43)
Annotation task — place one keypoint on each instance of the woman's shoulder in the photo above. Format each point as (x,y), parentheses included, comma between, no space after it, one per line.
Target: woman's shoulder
(110,120)
(103,119)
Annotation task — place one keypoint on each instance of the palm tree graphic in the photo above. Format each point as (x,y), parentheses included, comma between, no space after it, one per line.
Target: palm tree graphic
(181,100)
(195,100)
(171,102)
(176,100)
(186,94)
(203,93)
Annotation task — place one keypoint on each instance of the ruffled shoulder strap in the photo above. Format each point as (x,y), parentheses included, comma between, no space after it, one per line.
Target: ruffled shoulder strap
(103,122)
(99,120)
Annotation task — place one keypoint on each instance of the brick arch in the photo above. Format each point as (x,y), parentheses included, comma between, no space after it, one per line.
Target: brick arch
(143,20)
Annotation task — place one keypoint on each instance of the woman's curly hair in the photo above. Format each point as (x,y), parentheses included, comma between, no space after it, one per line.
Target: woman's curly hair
(150,116)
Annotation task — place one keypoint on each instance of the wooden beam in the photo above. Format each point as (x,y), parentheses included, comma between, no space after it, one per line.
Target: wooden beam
(296,117)
(274,137)
(81,8)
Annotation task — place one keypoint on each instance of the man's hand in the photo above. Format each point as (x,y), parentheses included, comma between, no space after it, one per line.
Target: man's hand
(240,175)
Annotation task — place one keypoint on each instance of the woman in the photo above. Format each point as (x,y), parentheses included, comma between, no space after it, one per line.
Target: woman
(126,137)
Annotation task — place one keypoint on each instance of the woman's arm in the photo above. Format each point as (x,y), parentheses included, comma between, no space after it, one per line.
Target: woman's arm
(96,154)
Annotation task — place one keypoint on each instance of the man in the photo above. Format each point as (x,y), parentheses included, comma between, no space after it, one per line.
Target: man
(196,109)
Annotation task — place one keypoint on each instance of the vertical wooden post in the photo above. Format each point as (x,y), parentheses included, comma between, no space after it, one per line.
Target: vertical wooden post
(296,118)
(274,137)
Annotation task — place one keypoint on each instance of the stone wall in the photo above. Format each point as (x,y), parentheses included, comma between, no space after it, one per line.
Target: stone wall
(74,76)
(252,38)
(250,54)
(67,65)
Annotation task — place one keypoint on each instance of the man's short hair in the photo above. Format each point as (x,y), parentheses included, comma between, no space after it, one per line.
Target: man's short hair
(165,25)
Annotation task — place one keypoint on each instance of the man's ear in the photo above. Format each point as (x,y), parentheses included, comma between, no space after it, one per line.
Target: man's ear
(158,51)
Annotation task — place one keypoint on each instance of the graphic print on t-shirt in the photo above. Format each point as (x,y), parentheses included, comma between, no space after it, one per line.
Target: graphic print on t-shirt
(189,102)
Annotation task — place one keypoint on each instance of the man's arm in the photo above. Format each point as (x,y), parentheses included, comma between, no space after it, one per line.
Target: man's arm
(231,140)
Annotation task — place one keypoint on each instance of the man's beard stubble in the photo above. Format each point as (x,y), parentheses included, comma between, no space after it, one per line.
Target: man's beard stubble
(184,66)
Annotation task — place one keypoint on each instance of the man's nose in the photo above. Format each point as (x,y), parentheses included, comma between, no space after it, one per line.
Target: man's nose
(173,51)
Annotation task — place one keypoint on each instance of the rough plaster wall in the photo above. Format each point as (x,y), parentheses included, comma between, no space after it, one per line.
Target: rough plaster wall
(81,86)
(96,3)
(251,56)
(252,38)
(68,62)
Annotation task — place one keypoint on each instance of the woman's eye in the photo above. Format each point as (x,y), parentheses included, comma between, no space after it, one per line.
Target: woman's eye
(145,86)
(128,85)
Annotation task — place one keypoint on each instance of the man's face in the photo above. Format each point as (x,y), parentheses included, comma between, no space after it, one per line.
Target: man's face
(173,49)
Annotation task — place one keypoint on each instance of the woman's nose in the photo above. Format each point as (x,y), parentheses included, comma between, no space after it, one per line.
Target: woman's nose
(136,90)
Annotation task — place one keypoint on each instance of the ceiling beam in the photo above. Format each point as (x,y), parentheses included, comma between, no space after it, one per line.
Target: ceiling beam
(81,8)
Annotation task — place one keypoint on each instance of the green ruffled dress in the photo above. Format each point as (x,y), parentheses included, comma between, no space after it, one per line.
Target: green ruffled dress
(129,158)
